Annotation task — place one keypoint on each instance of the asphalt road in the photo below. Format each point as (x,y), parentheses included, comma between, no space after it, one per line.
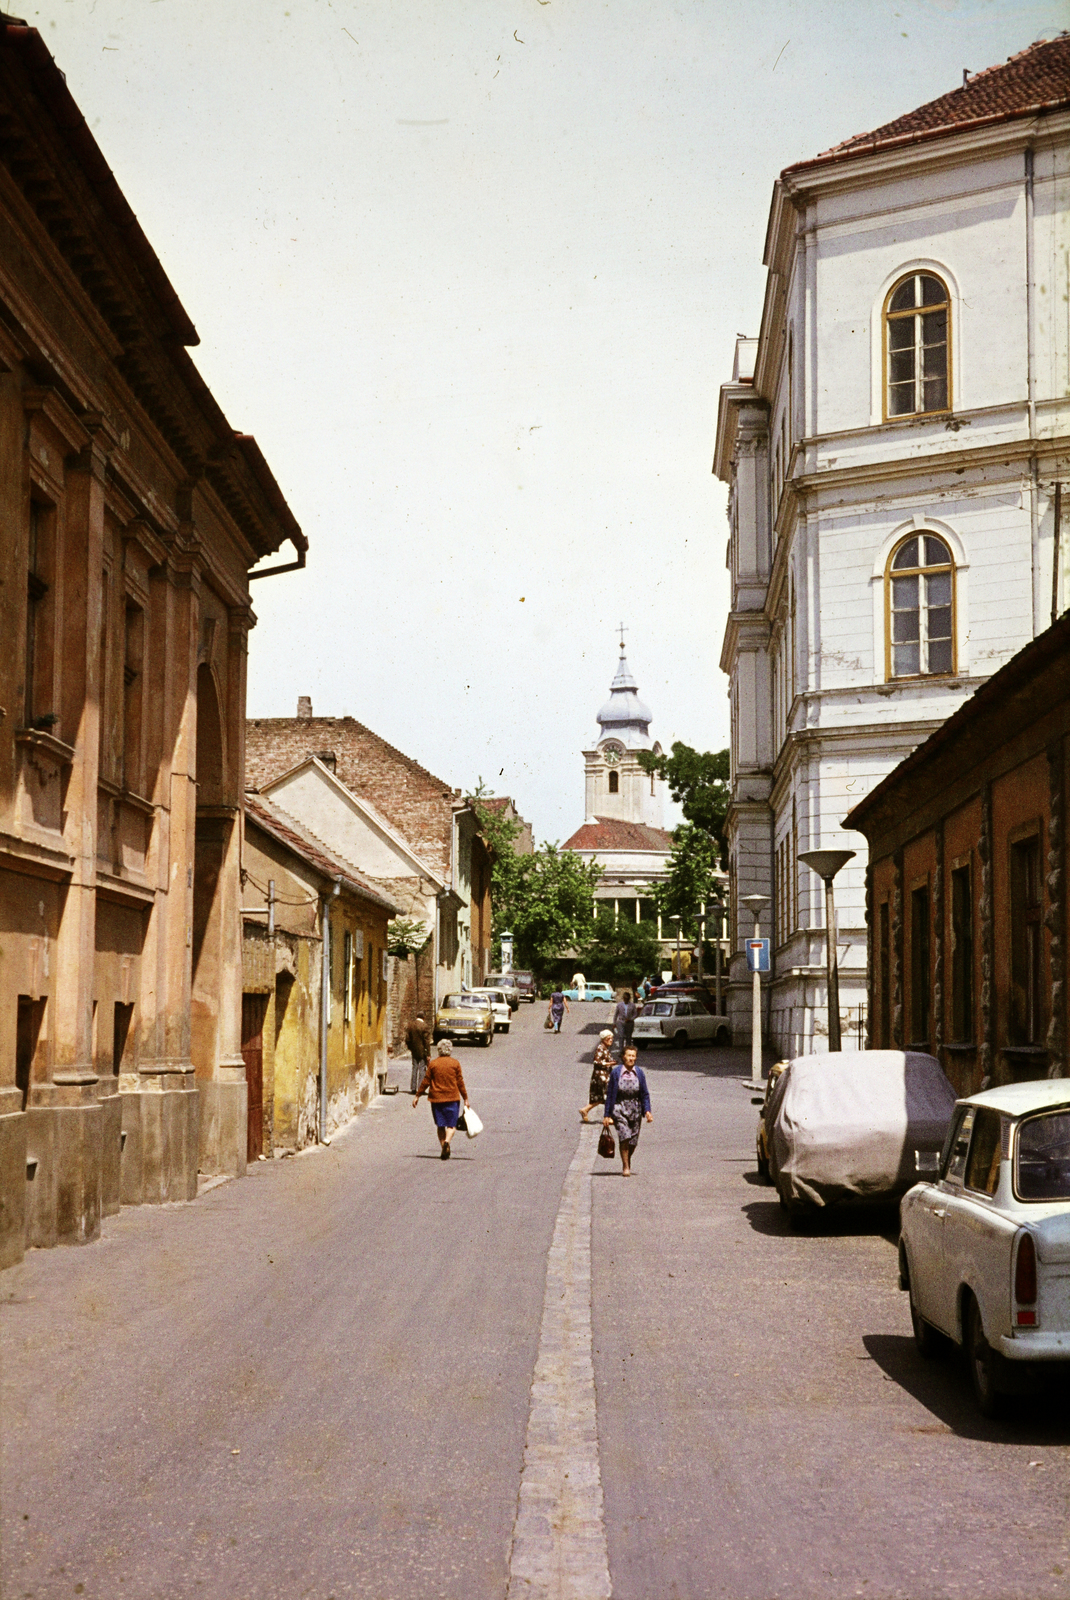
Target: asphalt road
(317,1381)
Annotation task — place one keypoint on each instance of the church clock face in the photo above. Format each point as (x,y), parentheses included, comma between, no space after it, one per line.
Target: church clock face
(611,754)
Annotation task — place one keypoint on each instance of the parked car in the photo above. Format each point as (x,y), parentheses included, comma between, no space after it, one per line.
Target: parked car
(525,982)
(984,1252)
(505,982)
(676,1022)
(499,1005)
(843,1127)
(465,1016)
(593,991)
(690,989)
(762,1136)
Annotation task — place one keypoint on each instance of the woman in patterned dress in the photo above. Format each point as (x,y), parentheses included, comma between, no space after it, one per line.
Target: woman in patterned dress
(603,1066)
(627,1103)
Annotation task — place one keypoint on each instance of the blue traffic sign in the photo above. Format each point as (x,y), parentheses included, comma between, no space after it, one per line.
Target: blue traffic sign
(757,955)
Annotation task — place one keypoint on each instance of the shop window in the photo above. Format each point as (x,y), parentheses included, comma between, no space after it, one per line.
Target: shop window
(920,967)
(920,595)
(962,1028)
(917,321)
(1025,1021)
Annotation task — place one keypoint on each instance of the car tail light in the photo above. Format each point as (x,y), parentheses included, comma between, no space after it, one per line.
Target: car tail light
(1025,1281)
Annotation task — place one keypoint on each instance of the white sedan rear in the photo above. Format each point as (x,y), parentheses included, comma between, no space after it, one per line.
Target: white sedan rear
(984,1251)
(676,1022)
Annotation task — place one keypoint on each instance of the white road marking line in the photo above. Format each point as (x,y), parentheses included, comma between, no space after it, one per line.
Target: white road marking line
(559,1547)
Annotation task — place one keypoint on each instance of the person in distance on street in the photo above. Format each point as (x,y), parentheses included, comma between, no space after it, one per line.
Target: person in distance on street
(418,1044)
(558,1006)
(623,1022)
(627,1102)
(603,1065)
(444,1082)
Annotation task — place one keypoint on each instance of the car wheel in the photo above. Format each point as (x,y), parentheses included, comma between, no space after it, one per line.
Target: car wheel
(984,1363)
(763,1165)
(640,1044)
(680,1038)
(506,1028)
(488,1038)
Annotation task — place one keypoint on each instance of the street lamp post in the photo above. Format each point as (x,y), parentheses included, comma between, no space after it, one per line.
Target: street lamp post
(826,864)
(679,974)
(754,904)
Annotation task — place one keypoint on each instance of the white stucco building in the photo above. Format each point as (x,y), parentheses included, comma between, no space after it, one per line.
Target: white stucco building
(622,827)
(891,440)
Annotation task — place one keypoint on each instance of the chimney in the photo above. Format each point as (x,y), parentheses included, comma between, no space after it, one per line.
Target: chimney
(304,708)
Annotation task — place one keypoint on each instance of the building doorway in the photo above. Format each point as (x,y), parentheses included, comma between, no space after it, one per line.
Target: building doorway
(253,1012)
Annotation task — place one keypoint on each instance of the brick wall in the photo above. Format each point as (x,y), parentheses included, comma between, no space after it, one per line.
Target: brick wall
(413,799)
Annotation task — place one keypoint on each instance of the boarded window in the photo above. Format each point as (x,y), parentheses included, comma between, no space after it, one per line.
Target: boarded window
(962,1028)
(1025,1021)
(919,967)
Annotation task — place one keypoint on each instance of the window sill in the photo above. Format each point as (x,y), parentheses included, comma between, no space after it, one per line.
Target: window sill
(960,1049)
(39,740)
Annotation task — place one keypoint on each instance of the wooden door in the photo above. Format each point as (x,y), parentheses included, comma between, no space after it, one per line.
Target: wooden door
(253,1011)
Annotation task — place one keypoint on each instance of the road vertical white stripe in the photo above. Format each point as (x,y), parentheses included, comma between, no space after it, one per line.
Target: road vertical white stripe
(559,1540)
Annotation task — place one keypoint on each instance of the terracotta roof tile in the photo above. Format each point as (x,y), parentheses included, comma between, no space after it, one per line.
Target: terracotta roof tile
(608,833)
(1035,80)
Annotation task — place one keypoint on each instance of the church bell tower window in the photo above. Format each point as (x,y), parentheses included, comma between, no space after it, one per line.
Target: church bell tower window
(614,783)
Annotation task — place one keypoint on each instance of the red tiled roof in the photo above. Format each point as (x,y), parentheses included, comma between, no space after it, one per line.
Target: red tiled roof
(304,844)
(1035,80)
(607,833)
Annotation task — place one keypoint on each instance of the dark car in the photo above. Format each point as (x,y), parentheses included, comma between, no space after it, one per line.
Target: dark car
(525,982)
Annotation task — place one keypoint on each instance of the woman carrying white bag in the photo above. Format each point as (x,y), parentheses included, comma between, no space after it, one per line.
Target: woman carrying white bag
(444,1084)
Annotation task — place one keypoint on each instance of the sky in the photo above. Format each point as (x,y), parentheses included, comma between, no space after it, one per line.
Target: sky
(472,271)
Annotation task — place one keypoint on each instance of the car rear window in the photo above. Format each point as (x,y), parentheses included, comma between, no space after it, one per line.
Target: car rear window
(1042,1168)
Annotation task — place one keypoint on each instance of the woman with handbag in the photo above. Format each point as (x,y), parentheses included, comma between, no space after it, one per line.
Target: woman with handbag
(603,1066)
(444,1082)
(627,1103)
(558,1006)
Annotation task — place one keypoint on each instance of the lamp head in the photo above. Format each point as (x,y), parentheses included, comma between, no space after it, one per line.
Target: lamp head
(826,863)
(755,903)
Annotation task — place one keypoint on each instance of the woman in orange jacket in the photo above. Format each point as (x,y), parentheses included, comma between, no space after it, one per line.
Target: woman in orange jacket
(444,1082)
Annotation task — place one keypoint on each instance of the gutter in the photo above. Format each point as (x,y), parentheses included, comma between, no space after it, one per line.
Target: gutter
(325,998)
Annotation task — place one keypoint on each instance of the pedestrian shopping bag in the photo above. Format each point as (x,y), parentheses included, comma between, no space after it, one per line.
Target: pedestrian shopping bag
(549,1021)
(472,1125)
(606,1147)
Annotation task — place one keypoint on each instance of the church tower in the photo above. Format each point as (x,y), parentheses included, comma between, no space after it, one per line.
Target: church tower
(616,787)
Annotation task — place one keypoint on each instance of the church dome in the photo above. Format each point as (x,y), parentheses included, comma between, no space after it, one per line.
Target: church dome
(624,716)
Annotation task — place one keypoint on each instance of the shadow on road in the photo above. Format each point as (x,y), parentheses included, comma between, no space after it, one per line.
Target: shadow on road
(942,1386)
(767,1216)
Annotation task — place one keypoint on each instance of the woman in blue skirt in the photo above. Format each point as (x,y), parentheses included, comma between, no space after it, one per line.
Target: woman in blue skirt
(444,1082)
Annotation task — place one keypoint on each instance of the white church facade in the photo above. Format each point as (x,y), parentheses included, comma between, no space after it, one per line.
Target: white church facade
(623,806)
(892,441)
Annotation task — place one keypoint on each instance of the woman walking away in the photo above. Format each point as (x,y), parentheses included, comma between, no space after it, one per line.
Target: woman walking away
(558,1006)
(627,1102)
(444,1082)
(603,1066)
(418,1044)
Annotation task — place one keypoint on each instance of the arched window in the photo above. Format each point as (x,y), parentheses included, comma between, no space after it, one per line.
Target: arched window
(920,587)
(917,320)
(614,783)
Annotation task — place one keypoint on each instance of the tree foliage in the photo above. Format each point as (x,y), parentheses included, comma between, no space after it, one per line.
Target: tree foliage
(546,899)
(621,951)
(699,783)
(405,936)
(693,879)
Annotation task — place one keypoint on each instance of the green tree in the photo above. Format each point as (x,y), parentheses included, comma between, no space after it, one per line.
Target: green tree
(699,783)
(405,936)
(545,899)
(620,951)
(693,878)
(553,911)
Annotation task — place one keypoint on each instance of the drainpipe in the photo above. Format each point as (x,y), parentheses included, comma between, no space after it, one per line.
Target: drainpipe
(325,999)
(1031,391)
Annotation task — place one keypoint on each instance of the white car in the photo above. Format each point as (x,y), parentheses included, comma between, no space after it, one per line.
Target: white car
(984,1251)
(676,1022)
(498,1001)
